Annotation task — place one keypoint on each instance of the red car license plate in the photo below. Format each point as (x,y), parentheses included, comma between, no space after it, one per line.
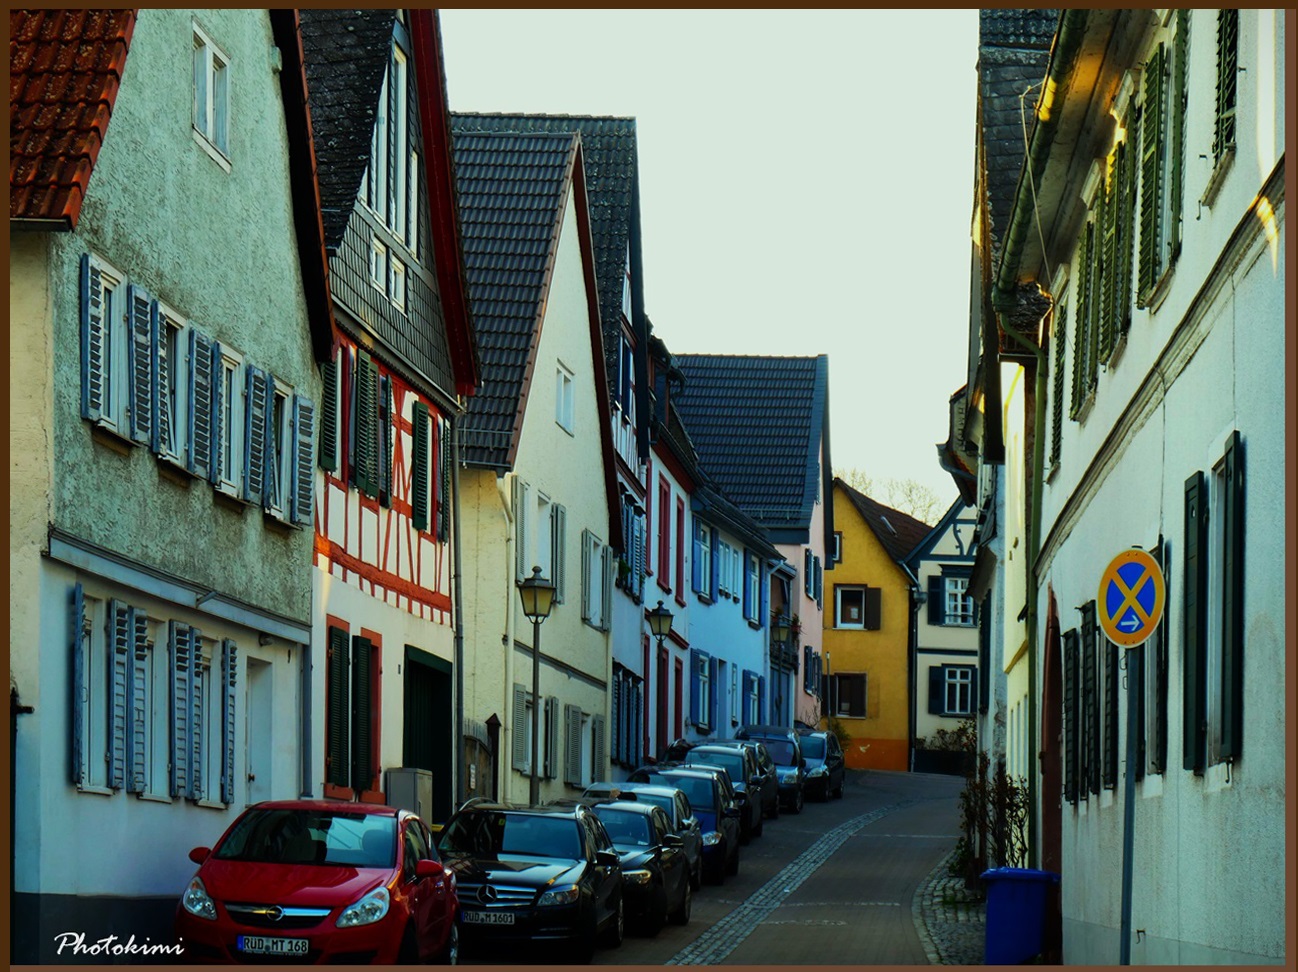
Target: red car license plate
(261,945)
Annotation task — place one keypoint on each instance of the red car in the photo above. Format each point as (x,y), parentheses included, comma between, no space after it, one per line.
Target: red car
(320,881)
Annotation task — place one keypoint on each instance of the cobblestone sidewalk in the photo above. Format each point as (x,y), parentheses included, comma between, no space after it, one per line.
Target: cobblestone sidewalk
(950,919)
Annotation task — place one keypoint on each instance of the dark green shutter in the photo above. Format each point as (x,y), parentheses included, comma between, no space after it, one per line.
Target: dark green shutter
(1193,638)
(1070,715)
(1232,634)
(936,600)
(444,480)
(1110,760)
(1176,109)
(1094,299)
(1083,264)
(1107,222)
(1059,342)
(937,690)
(385,440)
(329,423)
(337,730)
(362,713)
(1127,227)
(1227,68)
(1091,700)
(419,470)
(367,425)
(1151,177)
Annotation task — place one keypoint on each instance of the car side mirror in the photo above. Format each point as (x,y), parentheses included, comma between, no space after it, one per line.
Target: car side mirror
(732,810)
(429,869)
(673,840)
(756,780)
(199,854)
(606,858)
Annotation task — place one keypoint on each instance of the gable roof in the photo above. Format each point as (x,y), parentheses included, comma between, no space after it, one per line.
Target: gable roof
(898,532)
(742,411)
(925,547)
(609,152)
(65,69)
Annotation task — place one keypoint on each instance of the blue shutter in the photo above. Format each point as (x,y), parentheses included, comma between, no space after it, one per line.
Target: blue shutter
(748,607)
(77,622)
(638,567)
(137,701)
(303,459)
(820,581)
(142,314)
(761,700)
(219,431)
(714,696)
(229,682)
(119,664)
(696,565)
(936,690)
(694,688)
(163,437)
(254,436)
(200,404)
(92,340)
(199,674)
(180,639)
(714,582)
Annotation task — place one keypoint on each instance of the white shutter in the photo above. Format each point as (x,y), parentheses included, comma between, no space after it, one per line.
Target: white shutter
(572,754)
(522,563)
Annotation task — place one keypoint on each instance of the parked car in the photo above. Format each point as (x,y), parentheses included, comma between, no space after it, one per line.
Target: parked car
(786,750)
(826,771)
(675,804)
(741,765)
(533,875)
(712,800)
(770,785)
(320,881)
(655,871)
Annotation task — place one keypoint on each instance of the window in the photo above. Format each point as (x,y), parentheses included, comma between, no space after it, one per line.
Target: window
(702,697)
(630,574)
(279,449)
(563,397)
(751,698)
(596,572)
(664,534)
(585,756)
(379,265)
(351,712)
(729,580)
(397,286)
(838,547)
(542,542)
(171,356)
(701,563)
(849,695)
(680,551)
(959,605)
(211,97)
(1223,136)
(752,587)
(952,689)
(103,344)
(857,607)
(229,401)
(949,602)
(1213,633)
(812,670)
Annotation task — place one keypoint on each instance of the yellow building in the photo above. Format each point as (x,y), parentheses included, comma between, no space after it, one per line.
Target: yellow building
(867,629)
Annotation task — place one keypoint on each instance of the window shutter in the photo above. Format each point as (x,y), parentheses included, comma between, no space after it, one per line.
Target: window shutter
(229,685)
(820,581)
(859,686)
(572,733)
(180,638)
(808,574)
(419,464)
(599,748)
(1223,139)
(746,686)
(618,713)
(1070,715)
(808,675)
(1059,344)
(367,425)
(1180,47)
(329,417)
(714,582)
(518,730)
(587,567)
(1110,758)
(362,713)
(1107,223)
(696,564)
(385,440)
(119,667)
(444,470)
(695,715)
(763,596)
(1194,620)
(92,340)
(1127,227)
(1232,654)
(164,435)
(1080,337)
(936,690)
(254,436)
(1156,653)
(761,699)
(137,701)
(274,493)
(1091,700)
(215,459)
(1151,177)
(518,493)
(142,313)
(936,599)
(303,459)
(606,601)
(714,696)
(338,732)
(200,421)
(198,676)
(551,767)
(558,544)
(873,608)
(77,622)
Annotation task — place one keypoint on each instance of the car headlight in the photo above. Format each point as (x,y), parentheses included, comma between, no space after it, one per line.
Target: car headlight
(560,896)
(368,910)
(789,776)
(640,876)
(819,771)
(197,902)
(711,838)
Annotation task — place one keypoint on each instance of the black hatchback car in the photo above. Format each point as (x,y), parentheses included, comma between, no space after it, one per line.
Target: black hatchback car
(784,745)
(535,875)
(769,785)
(826,772)
(655,871)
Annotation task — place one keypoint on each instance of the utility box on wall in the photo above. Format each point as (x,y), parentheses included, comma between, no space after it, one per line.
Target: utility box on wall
(411,789)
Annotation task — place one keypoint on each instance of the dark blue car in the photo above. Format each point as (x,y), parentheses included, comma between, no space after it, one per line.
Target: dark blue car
(712,799)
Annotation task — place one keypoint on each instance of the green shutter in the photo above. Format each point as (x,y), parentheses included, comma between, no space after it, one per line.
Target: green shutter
(1151,177)
(1227,74)
(367,425)
(338,715)
(1059,344)
(1111,682)
(1108,258)
(1090,768)
(1232,660)
(937,689)
(385,440)
(329,421)
(362,714)
(1127,228)
(419,471)
(1070,715)
(1179,99)
(1083,304)
(1194,624)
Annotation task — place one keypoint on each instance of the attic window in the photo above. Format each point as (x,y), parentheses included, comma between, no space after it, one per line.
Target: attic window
(211,98)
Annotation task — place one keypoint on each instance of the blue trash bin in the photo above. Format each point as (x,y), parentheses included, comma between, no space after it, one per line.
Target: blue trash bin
(1016,914)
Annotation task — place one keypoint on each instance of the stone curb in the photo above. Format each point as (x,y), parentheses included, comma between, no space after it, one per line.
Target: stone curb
(950,921)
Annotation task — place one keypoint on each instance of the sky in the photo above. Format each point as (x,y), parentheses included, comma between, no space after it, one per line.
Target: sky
(806,183)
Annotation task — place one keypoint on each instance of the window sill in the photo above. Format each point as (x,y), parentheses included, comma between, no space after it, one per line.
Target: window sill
(111,439)
(154,798)
(1052,471)
(208,146)
(172,471)
(210,804)
(276,522)
(229,501)
(332,791)
(92,788)
(1219,172)
(565,428)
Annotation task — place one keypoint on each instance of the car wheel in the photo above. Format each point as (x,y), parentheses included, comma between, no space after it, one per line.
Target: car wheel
(450,953)
(616,929)
(825,794)
(795,805)
(696,876)
(761,825)
(681,916)
(657,914)
(839,791)
(775,808)
(732,865)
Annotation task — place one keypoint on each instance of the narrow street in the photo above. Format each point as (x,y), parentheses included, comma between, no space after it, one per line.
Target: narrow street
(849,867)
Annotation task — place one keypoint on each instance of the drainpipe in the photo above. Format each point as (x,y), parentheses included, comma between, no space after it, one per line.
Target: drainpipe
(507,703)
(1068,41)
(457,605)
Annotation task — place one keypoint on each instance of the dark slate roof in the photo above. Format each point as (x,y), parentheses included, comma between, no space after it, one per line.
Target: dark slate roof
(757,424)
(65,68)
(346,56)
(608,149)
(898,532)
(510,188)
(1013,54)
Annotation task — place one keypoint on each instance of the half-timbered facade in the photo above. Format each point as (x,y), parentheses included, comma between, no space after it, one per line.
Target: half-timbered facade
(400,359)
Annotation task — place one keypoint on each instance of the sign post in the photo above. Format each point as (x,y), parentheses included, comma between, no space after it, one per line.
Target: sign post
(1130,606)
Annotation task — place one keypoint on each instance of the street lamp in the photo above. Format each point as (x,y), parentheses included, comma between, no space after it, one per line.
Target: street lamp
(780,629)
(660,623)
(537,595)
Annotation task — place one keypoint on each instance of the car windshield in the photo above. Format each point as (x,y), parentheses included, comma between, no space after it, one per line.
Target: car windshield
(658,801)
(625,827)
(699,790)
(813,747)
(497,833)
(781,751)
(732,763)
(280,836)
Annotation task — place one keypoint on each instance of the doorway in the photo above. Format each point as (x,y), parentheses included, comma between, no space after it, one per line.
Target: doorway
(429,740)
(259,730)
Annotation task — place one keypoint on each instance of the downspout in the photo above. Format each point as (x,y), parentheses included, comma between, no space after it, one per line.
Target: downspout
(1072,29)
(507,703)
(457,605)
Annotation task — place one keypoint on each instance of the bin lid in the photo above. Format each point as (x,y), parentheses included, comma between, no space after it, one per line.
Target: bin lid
(1020,874)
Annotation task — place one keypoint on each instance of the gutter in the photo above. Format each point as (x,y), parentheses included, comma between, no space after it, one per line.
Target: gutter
(457,594)
(507,706)
(1068,42)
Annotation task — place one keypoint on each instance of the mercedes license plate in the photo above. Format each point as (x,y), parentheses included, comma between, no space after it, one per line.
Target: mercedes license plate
(261,945)
(488,917)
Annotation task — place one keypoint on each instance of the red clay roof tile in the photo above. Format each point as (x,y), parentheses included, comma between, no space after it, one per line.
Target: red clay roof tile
(65,68)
